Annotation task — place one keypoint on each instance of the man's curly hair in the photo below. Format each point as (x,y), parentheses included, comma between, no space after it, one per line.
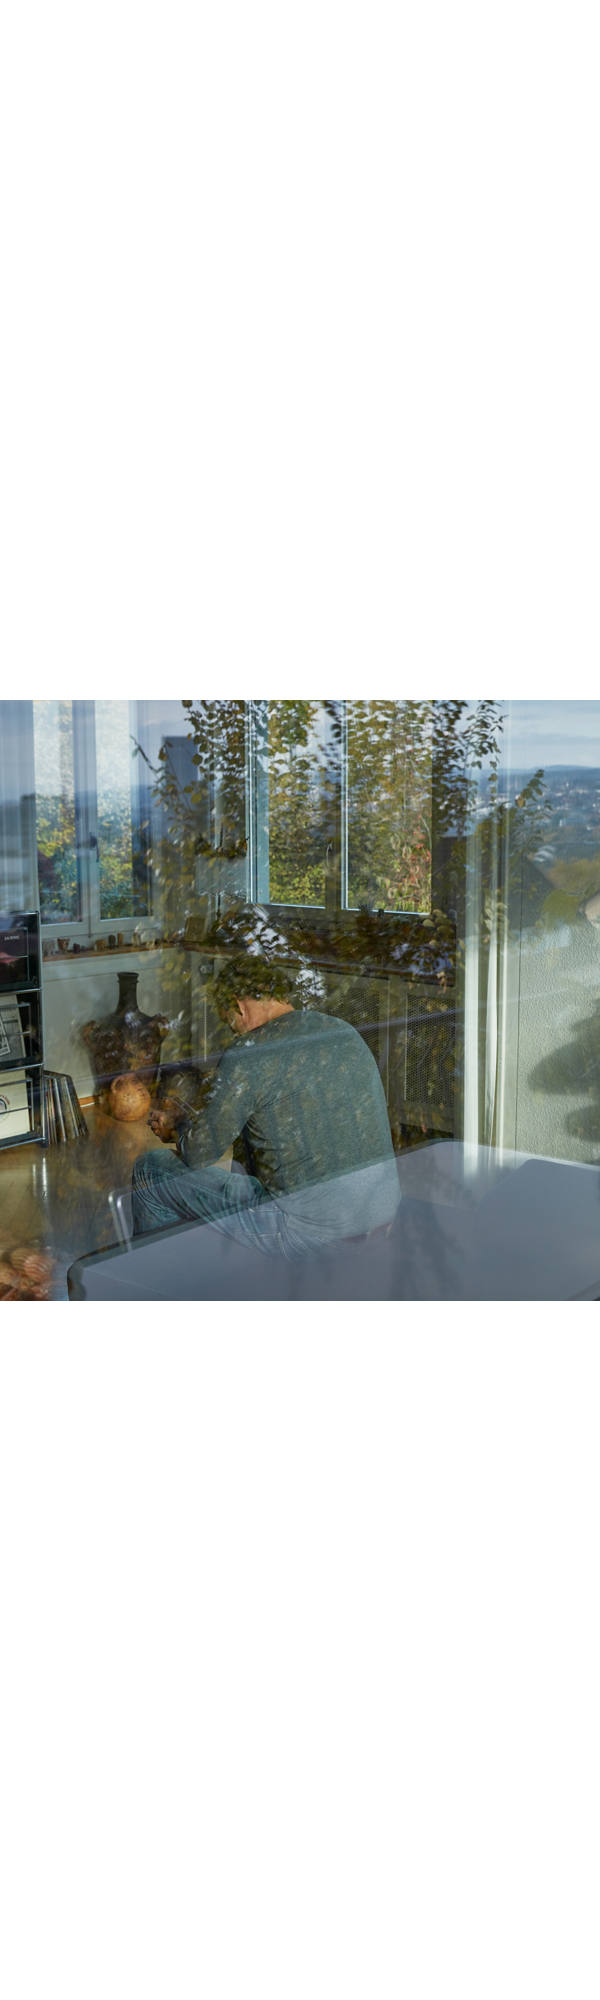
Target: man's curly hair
(251,978)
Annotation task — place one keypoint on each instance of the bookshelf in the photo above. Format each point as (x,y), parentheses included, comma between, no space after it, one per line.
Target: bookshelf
(21,1030)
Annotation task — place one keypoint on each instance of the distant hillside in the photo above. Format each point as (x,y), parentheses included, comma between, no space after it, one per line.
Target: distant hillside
(584,774)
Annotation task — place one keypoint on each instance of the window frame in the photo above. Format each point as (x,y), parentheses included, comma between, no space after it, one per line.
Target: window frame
(90,924)
(336,888)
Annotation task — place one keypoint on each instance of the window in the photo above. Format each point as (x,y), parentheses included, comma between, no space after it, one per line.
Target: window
(89,830)
(388,800)
(342,798)
(310,806)
(121,888)
(301,795)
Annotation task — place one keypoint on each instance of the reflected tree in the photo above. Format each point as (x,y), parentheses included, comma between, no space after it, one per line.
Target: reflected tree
(418,834)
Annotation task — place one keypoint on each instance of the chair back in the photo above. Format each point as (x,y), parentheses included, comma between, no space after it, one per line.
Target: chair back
(120,1205)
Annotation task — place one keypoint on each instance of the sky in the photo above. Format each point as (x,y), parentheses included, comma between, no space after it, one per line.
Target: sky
(551,732)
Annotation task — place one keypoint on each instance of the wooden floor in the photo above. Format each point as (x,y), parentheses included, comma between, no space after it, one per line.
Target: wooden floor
(56,1197)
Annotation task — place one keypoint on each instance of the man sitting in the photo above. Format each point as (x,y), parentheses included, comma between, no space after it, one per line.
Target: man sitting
(304,1093)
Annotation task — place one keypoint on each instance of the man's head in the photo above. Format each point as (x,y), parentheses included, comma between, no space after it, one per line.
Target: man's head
(250,991)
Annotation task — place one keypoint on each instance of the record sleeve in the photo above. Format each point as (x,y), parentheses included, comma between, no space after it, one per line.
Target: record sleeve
(12,1046)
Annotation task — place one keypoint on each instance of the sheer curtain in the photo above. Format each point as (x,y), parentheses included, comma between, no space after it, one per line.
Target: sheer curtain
(488,974)
(18,857)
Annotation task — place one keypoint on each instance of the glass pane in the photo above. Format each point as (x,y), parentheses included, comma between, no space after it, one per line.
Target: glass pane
(389,805)
(301,804)
(60,898)
(549,784)
(199,821)
(123,890)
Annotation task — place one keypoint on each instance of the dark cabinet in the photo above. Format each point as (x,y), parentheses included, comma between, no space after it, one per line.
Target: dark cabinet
(21,1029)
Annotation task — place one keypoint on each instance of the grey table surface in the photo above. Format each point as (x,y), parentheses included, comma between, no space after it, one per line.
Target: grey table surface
(472,1224)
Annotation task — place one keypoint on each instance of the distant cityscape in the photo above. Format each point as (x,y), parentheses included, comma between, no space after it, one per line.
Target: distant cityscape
(571,805)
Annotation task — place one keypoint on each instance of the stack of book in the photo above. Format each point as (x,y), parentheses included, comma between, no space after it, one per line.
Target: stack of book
(63,1116)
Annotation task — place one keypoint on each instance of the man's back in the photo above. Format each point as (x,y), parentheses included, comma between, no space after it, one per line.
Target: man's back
(305,1092)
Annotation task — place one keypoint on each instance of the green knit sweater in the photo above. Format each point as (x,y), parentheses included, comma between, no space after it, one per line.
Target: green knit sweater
(305,1093)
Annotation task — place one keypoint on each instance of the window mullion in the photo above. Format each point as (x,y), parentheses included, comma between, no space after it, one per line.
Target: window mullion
(84,762)
(343,829)
(334,850)
(259,801)
(138,712)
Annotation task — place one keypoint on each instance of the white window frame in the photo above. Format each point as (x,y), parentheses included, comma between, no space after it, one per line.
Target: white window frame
(336,890)
(90,925)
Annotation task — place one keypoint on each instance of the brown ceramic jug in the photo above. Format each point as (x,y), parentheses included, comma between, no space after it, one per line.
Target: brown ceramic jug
(127,1041)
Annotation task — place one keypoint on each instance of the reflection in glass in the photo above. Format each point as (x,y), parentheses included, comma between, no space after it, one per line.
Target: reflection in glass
(117,834)
(55,811)
(389,805)
(428,873)
(551,1094)
(299,747)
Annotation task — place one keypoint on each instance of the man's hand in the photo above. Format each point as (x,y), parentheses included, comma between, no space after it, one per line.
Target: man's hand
(164,1120)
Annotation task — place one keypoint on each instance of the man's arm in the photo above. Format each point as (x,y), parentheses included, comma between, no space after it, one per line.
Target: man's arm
(205,1133)
(165,1120)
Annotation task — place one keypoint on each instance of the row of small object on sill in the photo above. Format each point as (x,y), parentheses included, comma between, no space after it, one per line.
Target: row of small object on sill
(101,947)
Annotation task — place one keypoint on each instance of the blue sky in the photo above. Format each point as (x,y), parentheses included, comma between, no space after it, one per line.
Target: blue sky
(551,732)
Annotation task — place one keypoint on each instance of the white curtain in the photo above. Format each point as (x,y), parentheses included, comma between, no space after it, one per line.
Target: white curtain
(18,856)
(486,1020)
